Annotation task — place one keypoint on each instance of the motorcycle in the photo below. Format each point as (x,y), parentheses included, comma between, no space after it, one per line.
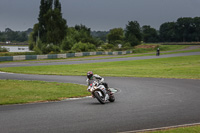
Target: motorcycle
(99,92)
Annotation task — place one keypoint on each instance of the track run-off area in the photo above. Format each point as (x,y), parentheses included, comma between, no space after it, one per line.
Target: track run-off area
(141,103)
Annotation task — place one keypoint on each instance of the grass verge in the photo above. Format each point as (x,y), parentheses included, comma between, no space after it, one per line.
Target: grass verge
(19,91)
(187,67)
(190,129)
(152,54)
(146,48)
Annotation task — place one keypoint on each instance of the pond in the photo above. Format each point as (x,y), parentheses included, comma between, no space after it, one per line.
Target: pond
(17,48)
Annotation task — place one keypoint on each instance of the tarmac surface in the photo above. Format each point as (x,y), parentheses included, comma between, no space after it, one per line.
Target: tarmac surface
(141,103)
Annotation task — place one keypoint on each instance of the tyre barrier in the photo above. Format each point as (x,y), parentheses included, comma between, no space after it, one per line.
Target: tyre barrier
(57,56)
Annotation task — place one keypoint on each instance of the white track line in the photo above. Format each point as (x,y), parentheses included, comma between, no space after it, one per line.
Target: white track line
(6,72)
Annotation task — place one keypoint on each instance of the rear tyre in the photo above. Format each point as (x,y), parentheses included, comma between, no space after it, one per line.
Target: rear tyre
(101,100)
(112,98)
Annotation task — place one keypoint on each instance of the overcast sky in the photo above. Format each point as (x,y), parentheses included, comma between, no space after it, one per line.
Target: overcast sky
(99,14)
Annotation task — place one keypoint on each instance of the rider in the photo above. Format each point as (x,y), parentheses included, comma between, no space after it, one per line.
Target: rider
(91,78)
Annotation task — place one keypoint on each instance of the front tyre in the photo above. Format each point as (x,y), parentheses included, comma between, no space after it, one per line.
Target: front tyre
(101,100)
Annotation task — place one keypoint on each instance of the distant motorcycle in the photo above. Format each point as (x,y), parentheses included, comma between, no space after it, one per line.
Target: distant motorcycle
(100,93)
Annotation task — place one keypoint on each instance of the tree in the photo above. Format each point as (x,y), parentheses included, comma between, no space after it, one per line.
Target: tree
(57,5)
(100,34)
(56,27)
(149,34)
(13,36)
(79,33)
(51,27)
(185,28)
(167,32)
(45,6)
(69,40)
(115,36)
(83,28)
(196,21)
(133,33)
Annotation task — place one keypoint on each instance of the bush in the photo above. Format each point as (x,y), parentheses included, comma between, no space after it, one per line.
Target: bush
(126,45)
(3,49)
(50,48)
(139,50)
(68,43)
(37,50)
(71,51)
(107,46)
(83,47)
(31,42)
(17,53)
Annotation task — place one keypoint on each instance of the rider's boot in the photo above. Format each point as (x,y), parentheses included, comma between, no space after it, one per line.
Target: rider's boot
(109,92)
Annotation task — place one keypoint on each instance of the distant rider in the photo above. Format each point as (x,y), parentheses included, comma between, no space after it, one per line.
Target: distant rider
(158,52)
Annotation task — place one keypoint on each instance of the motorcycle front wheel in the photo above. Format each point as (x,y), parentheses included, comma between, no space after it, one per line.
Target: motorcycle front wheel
(98,97)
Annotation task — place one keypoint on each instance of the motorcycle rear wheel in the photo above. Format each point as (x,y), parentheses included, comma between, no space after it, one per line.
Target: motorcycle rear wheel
(112,98)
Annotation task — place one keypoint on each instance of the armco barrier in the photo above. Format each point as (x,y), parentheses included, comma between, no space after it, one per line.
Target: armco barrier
(119,53)
(78,54)
(61,56)
(31,57)
(52,56)
(115,53)
(20,57)
(86,53)
(99,53)
(92,53)
(6,58)
(110,53)
(39,57)
(128,52)
(55,56)
(70,54)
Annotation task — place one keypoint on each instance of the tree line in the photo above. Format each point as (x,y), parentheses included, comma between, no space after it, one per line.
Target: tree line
(52,35)
(14,36)
(185,29)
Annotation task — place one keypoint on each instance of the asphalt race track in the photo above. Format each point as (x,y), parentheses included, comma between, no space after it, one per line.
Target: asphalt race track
(141,103)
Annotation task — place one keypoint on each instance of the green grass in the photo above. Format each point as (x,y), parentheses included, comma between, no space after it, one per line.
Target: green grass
(154,53)
(190,129)
(147,48)
(185,51)
(172,47)
(18,91)
(187,67)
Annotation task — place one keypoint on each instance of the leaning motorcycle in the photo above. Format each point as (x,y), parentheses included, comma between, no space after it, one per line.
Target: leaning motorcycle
(100,93)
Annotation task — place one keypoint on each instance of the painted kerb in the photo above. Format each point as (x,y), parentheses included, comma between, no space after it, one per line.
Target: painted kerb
(55,56)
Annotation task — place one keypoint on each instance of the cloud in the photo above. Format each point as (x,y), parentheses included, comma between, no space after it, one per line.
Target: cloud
(99,14)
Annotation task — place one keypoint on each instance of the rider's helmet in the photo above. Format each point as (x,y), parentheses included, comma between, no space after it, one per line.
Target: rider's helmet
(90,74)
